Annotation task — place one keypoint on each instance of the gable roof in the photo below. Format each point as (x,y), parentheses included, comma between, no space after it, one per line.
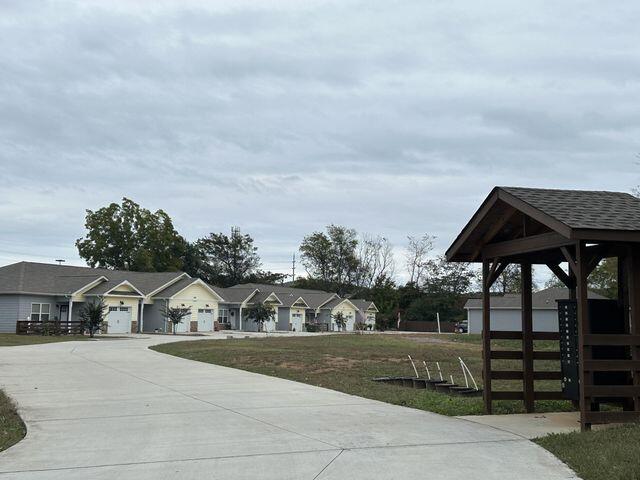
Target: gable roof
(316,300)
(541,300)
(51,279)
(107,287)
(333,303)
(277,288)
(363,305)
(571,214)
(235,295)
(262,297)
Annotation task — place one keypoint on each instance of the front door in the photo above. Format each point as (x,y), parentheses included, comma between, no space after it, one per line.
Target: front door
(205,320)
(119,319)
(64,313)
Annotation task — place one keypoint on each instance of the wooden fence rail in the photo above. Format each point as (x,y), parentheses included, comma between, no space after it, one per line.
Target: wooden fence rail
(53,327)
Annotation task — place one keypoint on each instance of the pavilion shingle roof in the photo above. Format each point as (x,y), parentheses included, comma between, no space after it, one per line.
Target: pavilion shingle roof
(584,209)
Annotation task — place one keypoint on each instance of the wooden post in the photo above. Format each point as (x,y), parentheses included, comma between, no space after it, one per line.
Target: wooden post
(572,290)
(527,337)
(584,352)
(633,275)
(486,337)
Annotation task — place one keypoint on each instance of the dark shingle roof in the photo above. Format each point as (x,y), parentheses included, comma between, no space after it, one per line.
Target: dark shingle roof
(263,287)
(46,278)
(541,300)
(234,295)
(360,304)
(175,287)
(584,209)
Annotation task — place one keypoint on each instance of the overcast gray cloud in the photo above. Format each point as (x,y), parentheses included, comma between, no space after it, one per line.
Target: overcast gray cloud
(392,117)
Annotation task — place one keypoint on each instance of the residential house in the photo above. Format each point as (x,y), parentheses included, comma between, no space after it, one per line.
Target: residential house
(41,292)
(136,300)
(506,311)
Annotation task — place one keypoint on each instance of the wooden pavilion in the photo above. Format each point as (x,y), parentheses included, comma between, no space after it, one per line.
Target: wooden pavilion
(528,226)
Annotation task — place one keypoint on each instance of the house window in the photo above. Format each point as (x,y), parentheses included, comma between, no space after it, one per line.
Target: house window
(223,315)
(40,312)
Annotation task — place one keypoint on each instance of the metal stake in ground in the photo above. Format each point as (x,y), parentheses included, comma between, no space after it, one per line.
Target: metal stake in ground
(427,369)
(414,366)
(439,371)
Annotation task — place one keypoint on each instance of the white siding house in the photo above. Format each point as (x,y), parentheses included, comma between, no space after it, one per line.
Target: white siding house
(506,312)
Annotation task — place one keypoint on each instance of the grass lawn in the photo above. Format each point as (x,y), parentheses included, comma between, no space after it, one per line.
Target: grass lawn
(347,363)
(609,454)
(12,430)
(11,339)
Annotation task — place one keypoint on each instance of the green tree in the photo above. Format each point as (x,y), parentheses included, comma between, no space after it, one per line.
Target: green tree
(429,305)
(331,257)
(260,313)
(175,315)
(455,278)
(128,237)
(229,259)
(92,314)
(604,278)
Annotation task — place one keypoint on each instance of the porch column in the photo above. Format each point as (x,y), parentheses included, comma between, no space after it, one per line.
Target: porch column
(240,318)
(486,337)
(141,322)
(527,336)
(584,352)
(70,310)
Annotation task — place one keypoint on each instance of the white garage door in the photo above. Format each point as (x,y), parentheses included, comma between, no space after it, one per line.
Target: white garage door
(296,322)
(183,327)
(119,319)
(205,319)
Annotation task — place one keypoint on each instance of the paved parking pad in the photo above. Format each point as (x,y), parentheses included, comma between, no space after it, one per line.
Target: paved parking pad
(115,409)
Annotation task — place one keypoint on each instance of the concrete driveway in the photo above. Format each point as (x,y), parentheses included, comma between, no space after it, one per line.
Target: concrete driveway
(117,410)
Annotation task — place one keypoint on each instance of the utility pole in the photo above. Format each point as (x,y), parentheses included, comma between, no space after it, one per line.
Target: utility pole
(60,261)
(293,268)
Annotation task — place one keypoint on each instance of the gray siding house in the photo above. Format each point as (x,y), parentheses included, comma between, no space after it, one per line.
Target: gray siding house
(135,300)
(40,292)
(506,311)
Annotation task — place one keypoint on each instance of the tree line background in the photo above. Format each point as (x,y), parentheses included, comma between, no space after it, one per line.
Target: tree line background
(127,236)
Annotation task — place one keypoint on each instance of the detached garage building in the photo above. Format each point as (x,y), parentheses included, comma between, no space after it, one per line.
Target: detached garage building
(506,312)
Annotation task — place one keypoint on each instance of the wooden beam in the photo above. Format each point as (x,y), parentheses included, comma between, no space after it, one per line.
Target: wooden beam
(496,273)
(464,235)
(534,213)
(570,260)
(584,351)
(527,336)
(486,338)
(494,230)
(562,275)
(534,243)
(634,317)
(612,417)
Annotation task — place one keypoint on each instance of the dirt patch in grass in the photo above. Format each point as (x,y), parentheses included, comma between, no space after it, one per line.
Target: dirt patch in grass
(348,363)
(12,428)
(609,454)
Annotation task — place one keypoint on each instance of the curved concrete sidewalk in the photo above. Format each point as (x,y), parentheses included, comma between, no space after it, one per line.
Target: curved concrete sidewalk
(117,410)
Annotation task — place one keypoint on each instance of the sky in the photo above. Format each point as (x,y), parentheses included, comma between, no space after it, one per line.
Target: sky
(395,118)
